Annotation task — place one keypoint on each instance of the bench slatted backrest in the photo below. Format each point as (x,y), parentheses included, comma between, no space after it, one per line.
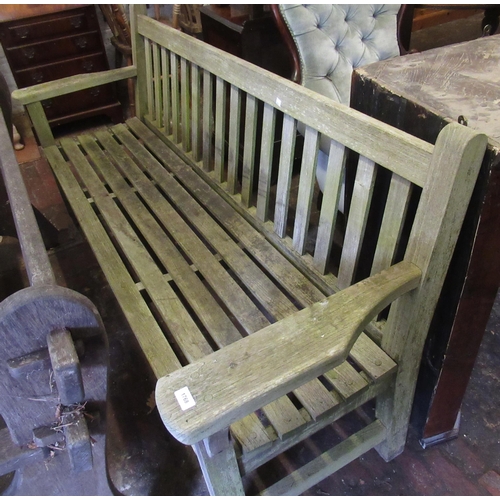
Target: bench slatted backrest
(239,126)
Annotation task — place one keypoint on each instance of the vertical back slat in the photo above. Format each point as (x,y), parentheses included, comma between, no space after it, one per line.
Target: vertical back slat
(220,128)
(174,69)
(266,159)
(306,189)
(249,149)
(157,84)
(207,119)
(195,113)
(165,69)
(285,175)
(329,206)
(149,77)
(234,139)
(185,105)
(392,222)
(356,223)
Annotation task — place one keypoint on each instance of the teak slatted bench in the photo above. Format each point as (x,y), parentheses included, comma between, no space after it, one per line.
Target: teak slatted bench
(245,329)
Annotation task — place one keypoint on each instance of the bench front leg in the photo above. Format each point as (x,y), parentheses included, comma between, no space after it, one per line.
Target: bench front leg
(219,465)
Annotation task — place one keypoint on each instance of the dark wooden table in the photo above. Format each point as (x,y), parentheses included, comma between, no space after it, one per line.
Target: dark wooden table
(420,93)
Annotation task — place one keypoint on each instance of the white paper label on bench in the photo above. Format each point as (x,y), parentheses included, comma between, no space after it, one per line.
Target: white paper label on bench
(184,398)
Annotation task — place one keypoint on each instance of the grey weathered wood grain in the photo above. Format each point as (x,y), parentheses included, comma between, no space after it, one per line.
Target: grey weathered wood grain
(356,224)
(167,107)
(285,175)
(175,91)
(249,149)
(207,120)
(196,118)
(395,211)
(40,124)
(179,322)
(185,105)
(157,85)
(329,207)
(281,269)
(36,261)
(220,129)
(153,343)
(265,165)
(306,189)
(148,48)
(217,239)
(67,85)
(329,462)
(234,139)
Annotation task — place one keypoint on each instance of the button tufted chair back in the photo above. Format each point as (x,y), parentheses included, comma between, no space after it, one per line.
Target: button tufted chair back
(327,42)
(332,40)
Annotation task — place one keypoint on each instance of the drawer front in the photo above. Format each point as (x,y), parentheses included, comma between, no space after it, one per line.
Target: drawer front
(25,31)
(78,101)
(50,72)
(39,53)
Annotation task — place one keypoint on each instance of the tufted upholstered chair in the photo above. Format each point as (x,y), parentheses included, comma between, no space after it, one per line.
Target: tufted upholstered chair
(327,42)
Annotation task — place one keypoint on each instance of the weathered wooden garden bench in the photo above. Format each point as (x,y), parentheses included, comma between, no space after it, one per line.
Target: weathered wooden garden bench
(252,317)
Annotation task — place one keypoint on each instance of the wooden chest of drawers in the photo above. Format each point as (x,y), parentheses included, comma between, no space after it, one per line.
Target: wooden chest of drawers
(42,47)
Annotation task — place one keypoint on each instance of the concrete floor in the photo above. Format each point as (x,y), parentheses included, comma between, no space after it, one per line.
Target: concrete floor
(144,460)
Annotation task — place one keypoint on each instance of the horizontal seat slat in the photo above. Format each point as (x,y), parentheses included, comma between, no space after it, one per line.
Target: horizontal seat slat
(281,269)
(208,264)
(151,339)
(206,307)
(371,358)
(268,294)
(185,331)
(346,380)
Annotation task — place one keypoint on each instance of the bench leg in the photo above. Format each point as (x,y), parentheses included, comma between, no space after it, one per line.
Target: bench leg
(219,465)
(393,409)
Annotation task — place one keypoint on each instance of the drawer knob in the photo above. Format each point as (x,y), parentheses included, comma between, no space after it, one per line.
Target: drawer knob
(22,32)
(88,66)
(81,42)
(29,52)
(37,77)
(76,22)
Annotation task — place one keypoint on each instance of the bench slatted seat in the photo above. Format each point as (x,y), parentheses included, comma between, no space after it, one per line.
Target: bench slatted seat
(253,315)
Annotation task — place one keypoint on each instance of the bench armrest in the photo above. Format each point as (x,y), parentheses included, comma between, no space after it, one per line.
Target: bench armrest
(210,394)
(48,90)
